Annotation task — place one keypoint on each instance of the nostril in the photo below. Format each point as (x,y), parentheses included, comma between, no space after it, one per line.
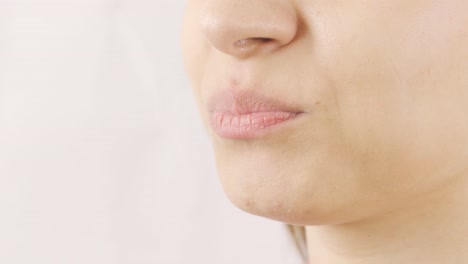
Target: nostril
(263,39)
(244,43)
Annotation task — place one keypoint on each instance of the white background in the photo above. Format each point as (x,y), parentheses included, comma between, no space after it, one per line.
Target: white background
(103,159)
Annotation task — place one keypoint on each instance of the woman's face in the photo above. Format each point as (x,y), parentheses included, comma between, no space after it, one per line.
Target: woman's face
(328,111)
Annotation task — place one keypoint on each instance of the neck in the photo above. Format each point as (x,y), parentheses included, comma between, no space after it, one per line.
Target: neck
(431,230)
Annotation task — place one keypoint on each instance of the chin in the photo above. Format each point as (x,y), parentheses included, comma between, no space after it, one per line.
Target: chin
(283,199)
(279,207)
(291,180)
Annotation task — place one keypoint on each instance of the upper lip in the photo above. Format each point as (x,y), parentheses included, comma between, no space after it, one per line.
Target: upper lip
(242,102)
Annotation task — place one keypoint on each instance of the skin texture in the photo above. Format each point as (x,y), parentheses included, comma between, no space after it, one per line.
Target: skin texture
(376,167)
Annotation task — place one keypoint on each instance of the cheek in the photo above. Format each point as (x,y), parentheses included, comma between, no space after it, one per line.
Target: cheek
(399,89)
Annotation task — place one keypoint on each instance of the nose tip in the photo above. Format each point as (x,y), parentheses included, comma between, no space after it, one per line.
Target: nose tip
(245,28)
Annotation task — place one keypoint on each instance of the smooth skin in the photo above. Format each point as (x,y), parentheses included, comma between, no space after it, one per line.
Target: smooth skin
(377,167)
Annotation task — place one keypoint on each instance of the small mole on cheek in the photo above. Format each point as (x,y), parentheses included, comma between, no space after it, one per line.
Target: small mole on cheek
(317,103)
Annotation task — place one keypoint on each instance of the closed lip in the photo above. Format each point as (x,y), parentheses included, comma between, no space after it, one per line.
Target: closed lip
(245,114)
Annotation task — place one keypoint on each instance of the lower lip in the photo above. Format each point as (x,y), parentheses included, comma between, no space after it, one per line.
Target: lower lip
(251,125)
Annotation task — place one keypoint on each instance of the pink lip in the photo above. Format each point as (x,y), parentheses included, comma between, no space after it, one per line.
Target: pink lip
(241,114)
